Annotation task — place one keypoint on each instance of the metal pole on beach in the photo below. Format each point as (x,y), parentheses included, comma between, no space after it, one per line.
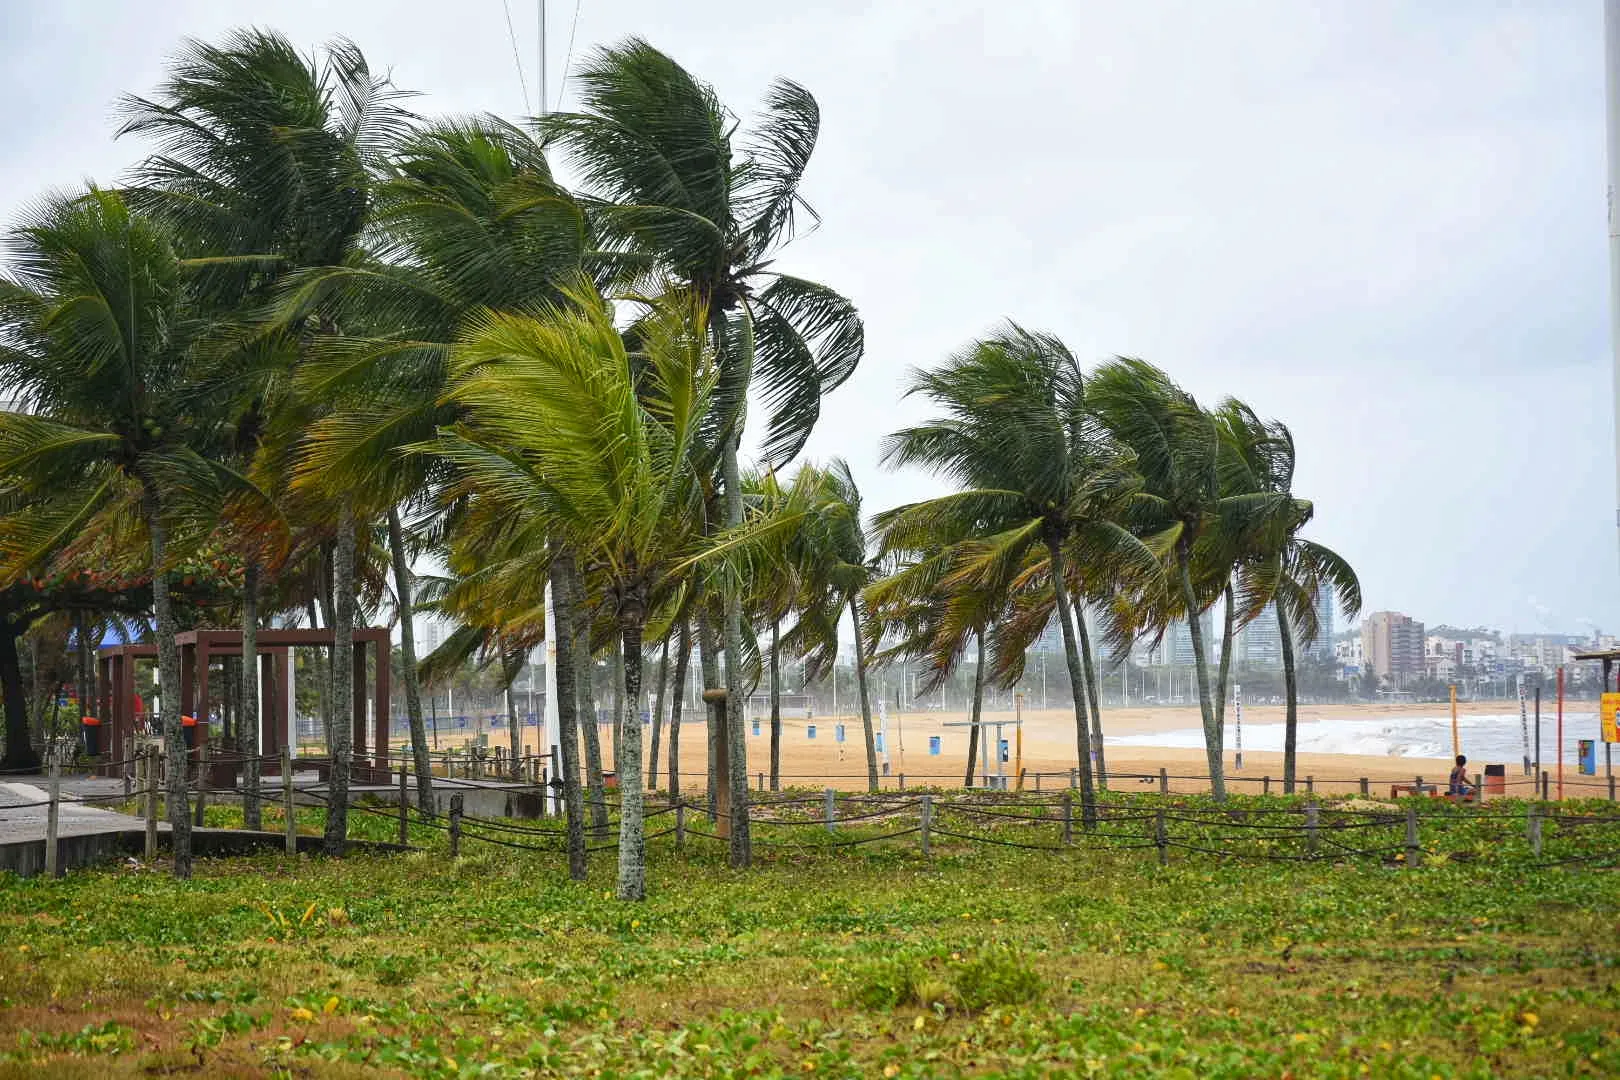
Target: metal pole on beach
(1560,732)
(1456,740)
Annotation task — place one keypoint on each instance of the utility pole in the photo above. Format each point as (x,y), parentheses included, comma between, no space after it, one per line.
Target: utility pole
(1611,71)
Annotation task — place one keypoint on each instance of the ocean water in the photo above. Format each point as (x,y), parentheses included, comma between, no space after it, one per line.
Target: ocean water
(1486,739)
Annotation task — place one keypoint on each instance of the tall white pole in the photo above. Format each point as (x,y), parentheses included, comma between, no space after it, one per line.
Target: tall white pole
(540,16)
(1611,71)
(549,729)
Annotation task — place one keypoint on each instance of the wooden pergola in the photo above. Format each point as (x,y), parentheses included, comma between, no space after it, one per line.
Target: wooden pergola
(115,688)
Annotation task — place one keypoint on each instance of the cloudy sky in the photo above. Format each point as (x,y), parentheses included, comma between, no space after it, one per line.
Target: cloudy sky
(1381,222)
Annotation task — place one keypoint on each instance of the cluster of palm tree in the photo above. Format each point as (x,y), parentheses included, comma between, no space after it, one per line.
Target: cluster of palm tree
(316,340)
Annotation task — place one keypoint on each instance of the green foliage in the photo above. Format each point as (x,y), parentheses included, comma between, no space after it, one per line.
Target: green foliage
(847,962)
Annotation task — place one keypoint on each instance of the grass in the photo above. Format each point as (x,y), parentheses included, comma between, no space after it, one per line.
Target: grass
(864,961)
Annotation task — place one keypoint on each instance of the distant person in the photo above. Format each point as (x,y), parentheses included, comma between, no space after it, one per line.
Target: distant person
(1459,779)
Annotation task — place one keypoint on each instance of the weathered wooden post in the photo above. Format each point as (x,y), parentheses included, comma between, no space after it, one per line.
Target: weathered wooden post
(1074,779)
(53,865)
(1068,818)
(1364,785)
(902,781)
(1265,785)
(926,821)
(129,767)
(1532,831)
(288,806)
(1479,788)
(404,807)
(1414,853)
(1164,781)
(202,784)
(680,824)
(831,809)
(1546,786)
(1311,817)
(1310,783)
(1161,838)
(455,825)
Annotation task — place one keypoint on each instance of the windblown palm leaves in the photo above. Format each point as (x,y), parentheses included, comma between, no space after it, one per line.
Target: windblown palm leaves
(564,429)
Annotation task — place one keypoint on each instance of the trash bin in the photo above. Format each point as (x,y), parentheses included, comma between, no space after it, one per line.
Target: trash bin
(1496,779)
(90,727)
(188,731)
(610,781)
(1586,753)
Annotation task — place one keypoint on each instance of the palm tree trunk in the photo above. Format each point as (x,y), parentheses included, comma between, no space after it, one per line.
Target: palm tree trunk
(1285,638)
(736,738)
(341,735)
(562,573)
(1091,696)
(976,711)
(247,710)
(1071,654)
(20,753)
(776,705)
(404,593)
(713,712)
(676,702)
(579,618)
(1213,750)
(514,734)
(169,677)
(617,696)
(1224,672)
(632,824)
(658,718)
(866,703)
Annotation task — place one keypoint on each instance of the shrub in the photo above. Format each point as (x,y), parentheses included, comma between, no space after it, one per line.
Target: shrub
(995,977)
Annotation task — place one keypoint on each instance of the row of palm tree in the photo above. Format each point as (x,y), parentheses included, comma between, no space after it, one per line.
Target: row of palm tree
(331,340)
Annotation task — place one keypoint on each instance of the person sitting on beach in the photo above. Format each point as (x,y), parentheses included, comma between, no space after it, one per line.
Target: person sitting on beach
(1459,779)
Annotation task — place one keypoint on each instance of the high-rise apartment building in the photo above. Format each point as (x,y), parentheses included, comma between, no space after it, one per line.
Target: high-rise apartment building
(1392,645)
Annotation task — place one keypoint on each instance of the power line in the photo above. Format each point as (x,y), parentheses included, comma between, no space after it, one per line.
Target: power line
(511,36)
(569,55)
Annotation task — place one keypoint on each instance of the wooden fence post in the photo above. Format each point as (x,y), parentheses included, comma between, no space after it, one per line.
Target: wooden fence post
(288,804)
(1074,779)
(1161,838)
(761,781)
(404,807)
(1414,853)
(831,809)
(902,781)
(127,769)
(151,755)
(1265,785)
(1068,818)
(202,785)
(680,824)
(1310,783)
(1164,781)
(1546,789)
(1311,819)
(1479,788)
(53,864)
(927,821)
(1364,785)
(1532,831)
(455,825)
(1611,787)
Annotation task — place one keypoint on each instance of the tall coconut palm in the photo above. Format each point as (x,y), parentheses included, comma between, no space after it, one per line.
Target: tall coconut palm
(654,147)
(1200,522)
(263,165)
(1035,470)
(99,336)
(1282,569)
(566,428)
(467,219)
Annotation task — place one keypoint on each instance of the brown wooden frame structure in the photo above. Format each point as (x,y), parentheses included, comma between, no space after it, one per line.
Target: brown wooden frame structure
(115,687)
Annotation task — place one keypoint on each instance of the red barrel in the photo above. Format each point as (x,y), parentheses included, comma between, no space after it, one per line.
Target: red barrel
(90,729)
(188,730)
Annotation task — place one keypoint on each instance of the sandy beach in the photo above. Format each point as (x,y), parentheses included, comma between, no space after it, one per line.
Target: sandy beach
(1048,749)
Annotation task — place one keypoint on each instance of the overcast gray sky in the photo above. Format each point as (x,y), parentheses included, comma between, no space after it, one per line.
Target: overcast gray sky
(1381,222)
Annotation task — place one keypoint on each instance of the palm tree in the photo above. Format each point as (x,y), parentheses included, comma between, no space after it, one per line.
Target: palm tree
(564,427)
(1283,569)
(1036,472)
(654,148)
(469,219)
(99,336)
(263,164)
(1197,522)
